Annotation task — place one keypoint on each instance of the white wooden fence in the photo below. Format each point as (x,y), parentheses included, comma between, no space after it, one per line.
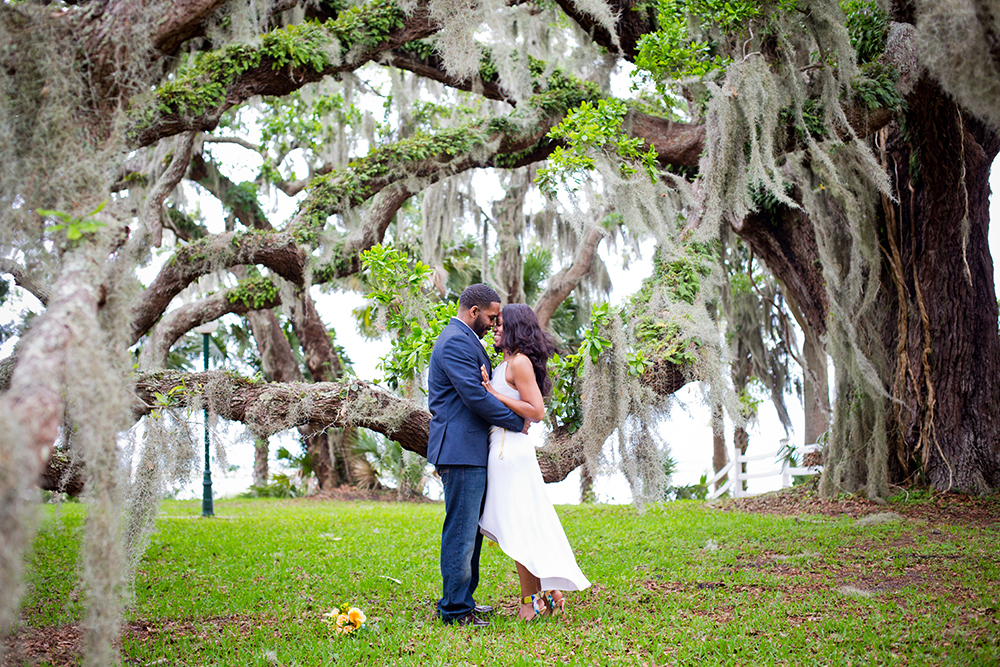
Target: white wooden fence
(734,469)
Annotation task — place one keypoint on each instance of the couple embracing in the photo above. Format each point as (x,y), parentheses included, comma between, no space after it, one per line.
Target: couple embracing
(479,445)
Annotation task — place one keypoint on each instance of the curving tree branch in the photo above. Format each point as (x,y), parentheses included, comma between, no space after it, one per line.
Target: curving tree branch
(22,279)
(268,71)
(152,213)
(179,321)
(561,284)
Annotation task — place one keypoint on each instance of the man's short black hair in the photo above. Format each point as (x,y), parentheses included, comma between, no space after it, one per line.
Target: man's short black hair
(478,295)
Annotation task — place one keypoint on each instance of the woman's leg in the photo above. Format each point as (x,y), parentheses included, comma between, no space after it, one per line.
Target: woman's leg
(556,601)
(530,584)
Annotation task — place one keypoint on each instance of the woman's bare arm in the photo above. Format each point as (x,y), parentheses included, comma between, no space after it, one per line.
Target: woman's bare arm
(522,376)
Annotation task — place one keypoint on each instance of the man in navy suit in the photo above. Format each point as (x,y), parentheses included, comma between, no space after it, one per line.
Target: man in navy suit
(458,446)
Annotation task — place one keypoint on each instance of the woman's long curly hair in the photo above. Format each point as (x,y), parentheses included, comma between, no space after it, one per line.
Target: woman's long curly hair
(522,334)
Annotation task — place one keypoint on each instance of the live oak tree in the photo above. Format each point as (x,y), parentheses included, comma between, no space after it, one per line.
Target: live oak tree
(848,145)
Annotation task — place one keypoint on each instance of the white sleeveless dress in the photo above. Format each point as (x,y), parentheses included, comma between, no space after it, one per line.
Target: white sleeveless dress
(518,514)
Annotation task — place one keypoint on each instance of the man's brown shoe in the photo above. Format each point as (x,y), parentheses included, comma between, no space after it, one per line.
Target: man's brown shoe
(473,620)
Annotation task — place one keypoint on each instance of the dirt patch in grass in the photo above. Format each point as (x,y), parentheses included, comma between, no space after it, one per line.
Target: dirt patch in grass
(938,508)
(57,646)
(205,629)
(63,646)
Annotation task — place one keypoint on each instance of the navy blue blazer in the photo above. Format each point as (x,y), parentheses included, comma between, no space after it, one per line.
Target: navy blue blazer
(461,410)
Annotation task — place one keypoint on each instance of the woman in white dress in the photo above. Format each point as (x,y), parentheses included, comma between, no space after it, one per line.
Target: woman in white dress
(518,514)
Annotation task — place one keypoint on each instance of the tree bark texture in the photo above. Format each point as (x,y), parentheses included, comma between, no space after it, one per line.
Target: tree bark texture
(720,455)
(563,283)
(815,387)
(260,462)
(786,243)
(947,428)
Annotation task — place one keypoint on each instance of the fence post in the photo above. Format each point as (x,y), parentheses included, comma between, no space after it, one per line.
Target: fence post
(786,475)
(737,471)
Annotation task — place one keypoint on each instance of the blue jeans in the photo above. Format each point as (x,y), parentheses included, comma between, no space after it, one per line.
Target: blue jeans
(461,541)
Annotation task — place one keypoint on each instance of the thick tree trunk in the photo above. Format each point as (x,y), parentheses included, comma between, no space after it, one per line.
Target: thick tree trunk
(946,429)
(276,357)
(719,454)
(815,387)
(785,241)
(945,347)
(586,484)
(260,465)
(321,360)
(322,460)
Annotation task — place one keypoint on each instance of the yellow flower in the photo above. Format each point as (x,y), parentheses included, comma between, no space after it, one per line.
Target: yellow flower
(356,616)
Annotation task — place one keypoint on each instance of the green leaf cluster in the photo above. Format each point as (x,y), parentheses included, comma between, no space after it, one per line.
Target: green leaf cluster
(350,187)
(682,46)
(297,45)
(663,339)
(868,28)
(411,348)
(292,122)
(390,275)
(565,407)
(366,25)
(244,195)
(254,291)
(561,92)
(202,86)
(163,401)
(812,116)
(75,227)
(588,130)
(876,88)
(393,280)
(185,223)
(421,48)
(657,334)
(682,276)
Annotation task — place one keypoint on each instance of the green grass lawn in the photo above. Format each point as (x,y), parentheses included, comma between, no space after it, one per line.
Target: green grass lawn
(683,583)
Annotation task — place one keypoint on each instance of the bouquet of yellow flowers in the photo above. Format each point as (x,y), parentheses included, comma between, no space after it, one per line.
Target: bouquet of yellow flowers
(345,622)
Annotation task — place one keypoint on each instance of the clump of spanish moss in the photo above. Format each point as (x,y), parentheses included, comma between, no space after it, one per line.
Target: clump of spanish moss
(18,519)
(839,180)
(954,41)
(616,404)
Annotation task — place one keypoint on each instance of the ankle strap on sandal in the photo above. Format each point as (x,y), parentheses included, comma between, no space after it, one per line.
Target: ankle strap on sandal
(536,601)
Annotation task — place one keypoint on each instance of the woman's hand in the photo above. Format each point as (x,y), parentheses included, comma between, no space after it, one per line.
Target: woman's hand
(486,381)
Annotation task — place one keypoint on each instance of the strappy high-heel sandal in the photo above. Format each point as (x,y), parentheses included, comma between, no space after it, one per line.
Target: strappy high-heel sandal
(538,604)
(556,607)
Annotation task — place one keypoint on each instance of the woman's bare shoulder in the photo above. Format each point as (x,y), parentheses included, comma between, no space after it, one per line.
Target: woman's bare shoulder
(521,362)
